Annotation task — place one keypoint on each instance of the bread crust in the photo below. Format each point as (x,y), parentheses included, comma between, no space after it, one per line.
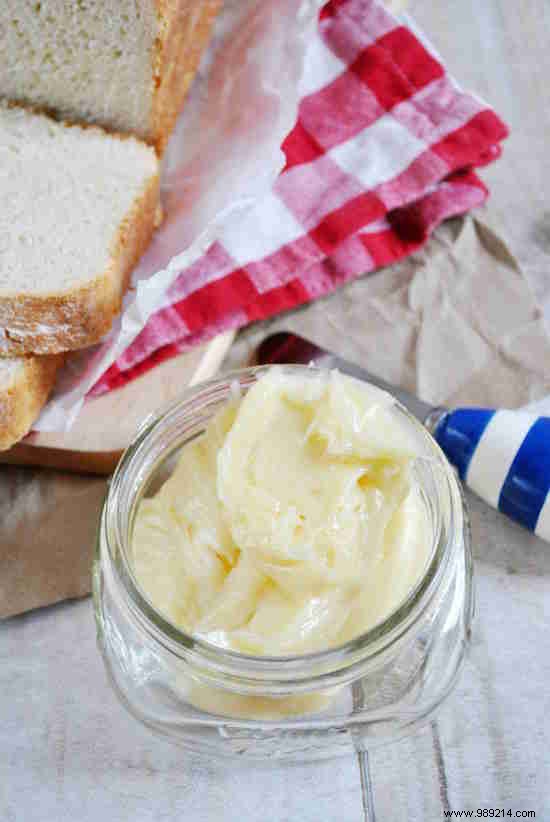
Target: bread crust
(51,323)
(22,400)
(184,32)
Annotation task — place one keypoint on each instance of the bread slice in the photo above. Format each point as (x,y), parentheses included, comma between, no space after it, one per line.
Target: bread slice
(77,209)
(124,64)
(25,384)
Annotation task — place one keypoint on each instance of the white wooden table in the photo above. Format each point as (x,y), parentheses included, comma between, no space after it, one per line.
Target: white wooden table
(69,752)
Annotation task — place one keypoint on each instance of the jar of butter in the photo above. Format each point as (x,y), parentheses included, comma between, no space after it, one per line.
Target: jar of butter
(283,568)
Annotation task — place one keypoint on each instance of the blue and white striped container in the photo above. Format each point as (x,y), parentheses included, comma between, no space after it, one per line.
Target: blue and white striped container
(504,456)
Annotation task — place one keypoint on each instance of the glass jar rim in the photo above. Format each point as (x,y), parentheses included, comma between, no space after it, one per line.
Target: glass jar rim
(359,649)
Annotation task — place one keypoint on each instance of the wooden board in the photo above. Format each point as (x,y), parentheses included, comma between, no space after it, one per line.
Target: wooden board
(107,424)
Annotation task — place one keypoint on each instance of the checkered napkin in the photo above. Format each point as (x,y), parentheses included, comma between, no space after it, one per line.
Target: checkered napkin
(383,150)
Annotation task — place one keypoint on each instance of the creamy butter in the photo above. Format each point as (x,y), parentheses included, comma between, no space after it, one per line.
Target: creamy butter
(292,525)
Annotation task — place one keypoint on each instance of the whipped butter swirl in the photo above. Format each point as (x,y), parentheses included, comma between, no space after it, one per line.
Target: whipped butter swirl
(292,525)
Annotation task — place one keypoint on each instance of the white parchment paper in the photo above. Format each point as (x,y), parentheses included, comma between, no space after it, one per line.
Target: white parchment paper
(224,154)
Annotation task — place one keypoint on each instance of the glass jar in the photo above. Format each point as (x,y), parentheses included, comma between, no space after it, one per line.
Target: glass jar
(374,688)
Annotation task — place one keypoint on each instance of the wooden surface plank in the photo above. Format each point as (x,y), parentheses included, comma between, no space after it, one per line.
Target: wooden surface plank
(70,752)
(488,747)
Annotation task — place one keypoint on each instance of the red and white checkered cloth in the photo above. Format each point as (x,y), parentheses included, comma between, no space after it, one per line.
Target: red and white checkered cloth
(383,150)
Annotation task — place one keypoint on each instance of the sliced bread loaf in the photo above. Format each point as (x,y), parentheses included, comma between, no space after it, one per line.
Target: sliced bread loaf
(77,209)
(25,383)
(126,65)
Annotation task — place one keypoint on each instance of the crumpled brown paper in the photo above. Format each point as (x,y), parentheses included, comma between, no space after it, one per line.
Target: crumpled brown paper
(455,323)
(48,523)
